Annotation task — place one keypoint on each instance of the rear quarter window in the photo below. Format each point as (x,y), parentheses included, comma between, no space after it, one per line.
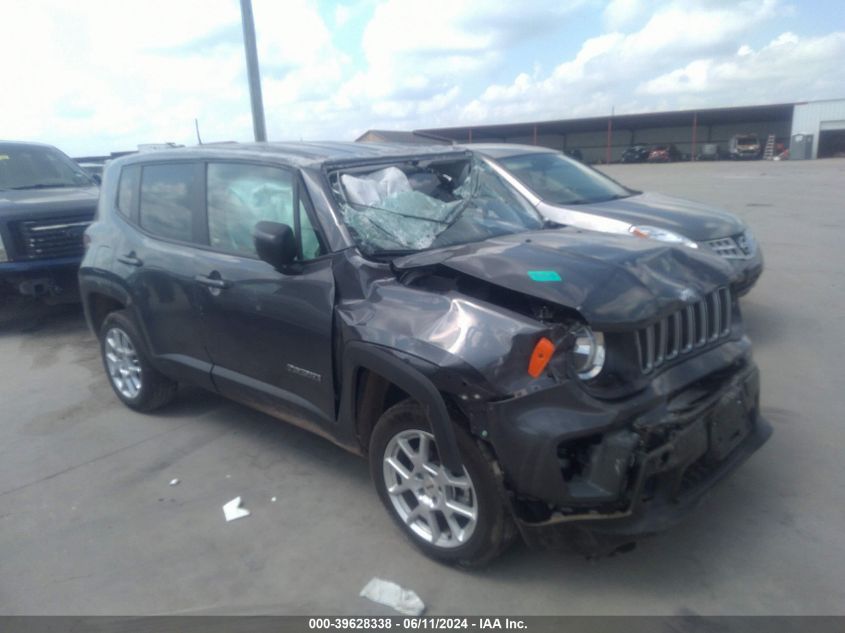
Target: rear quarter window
(166,201)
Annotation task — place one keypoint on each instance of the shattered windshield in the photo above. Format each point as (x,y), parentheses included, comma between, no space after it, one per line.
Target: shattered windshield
(418,205)
(561,180)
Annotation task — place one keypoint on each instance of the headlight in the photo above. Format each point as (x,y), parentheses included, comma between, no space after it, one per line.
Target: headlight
(3,256)
(747,242)
(662,235)
(588,353)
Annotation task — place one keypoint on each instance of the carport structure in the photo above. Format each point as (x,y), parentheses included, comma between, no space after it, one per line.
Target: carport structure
(603,139)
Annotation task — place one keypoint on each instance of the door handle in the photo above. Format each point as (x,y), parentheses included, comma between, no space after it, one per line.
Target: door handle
(130,259)
(212,282)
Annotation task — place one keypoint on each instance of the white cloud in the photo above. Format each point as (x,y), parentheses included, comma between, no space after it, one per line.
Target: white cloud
(788,68)
(620,13)
(342,13)
(639,71)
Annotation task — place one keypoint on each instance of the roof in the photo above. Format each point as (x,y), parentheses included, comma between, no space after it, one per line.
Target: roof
(26,143)
(506,150)
(303,153)
(400,136)
(703,116)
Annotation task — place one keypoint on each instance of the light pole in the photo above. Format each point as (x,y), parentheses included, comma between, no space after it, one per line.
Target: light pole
(252,72)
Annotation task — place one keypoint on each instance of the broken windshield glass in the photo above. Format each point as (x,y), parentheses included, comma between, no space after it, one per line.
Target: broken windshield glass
(408,207)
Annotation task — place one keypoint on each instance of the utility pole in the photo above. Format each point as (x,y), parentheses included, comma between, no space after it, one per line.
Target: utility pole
(252,72)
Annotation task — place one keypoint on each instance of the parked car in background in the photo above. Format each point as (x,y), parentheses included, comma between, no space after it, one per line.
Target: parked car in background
(744,146)
(573,194)
(405,303)
(663,154)
(635,154)
(709,151)
(46,203)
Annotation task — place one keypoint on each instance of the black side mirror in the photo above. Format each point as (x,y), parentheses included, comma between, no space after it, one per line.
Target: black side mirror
(275,243)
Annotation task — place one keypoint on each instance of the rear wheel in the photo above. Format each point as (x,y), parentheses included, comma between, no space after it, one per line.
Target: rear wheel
(456,518)
(134,380)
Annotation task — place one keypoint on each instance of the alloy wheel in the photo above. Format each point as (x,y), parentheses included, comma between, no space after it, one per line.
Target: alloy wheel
(437,506)
(123,365)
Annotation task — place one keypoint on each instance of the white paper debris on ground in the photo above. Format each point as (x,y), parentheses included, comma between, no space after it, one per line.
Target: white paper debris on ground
(392,595)
(174,482)
(233,510)
(273,499)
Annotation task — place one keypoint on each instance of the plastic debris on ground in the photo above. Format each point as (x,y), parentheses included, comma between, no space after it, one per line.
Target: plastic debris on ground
(392,595)
(233,510)
(273,499)
(174,482)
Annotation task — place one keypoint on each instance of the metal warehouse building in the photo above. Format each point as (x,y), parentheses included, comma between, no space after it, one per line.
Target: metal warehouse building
(810,130)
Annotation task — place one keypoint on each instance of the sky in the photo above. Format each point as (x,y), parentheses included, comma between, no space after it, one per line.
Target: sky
(96,76)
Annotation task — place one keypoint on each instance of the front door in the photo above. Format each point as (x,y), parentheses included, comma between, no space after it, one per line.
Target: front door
(269,333)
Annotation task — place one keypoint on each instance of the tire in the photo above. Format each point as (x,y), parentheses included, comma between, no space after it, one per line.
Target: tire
(459,540)
(133,379)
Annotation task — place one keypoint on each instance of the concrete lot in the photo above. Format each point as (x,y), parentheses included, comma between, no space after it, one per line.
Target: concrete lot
(89,524)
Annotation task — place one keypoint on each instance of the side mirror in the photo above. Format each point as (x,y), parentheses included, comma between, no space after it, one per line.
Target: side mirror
(275,243)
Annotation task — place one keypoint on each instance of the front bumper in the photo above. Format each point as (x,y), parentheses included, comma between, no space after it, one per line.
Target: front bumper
(644,463)
(41,276)
(654,510)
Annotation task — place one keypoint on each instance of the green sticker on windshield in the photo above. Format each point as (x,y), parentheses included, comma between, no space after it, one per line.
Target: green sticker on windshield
(544,275)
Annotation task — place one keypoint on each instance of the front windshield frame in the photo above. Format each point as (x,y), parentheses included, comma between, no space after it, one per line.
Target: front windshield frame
(463,201)
(552,188)
(39,167)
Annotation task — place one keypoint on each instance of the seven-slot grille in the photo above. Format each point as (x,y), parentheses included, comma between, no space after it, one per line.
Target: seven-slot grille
(56,237)
(688,329)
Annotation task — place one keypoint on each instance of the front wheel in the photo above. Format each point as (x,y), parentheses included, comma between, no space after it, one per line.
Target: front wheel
(455,518)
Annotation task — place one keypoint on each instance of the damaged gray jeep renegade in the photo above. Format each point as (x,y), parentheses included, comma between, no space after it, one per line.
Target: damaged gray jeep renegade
(503,377)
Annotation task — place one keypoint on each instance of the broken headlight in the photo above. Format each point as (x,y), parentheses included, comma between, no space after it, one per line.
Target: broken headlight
(587,352)
(661,235)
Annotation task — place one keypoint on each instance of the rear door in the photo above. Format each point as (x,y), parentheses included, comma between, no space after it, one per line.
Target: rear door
(269,333)
(157,259)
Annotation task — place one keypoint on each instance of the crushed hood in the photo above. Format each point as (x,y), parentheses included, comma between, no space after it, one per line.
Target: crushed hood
(614,282)
(694,220)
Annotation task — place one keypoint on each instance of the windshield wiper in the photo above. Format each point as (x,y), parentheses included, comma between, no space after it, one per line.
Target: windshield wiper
(43,185)
(391,253)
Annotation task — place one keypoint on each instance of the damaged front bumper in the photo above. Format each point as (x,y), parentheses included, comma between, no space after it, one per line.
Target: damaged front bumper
(592,475)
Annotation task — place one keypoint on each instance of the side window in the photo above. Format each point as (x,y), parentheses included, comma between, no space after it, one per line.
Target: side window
(239,196)
(127,190)
(166,200)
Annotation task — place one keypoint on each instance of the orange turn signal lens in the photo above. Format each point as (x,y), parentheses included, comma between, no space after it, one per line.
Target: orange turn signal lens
(540,357)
